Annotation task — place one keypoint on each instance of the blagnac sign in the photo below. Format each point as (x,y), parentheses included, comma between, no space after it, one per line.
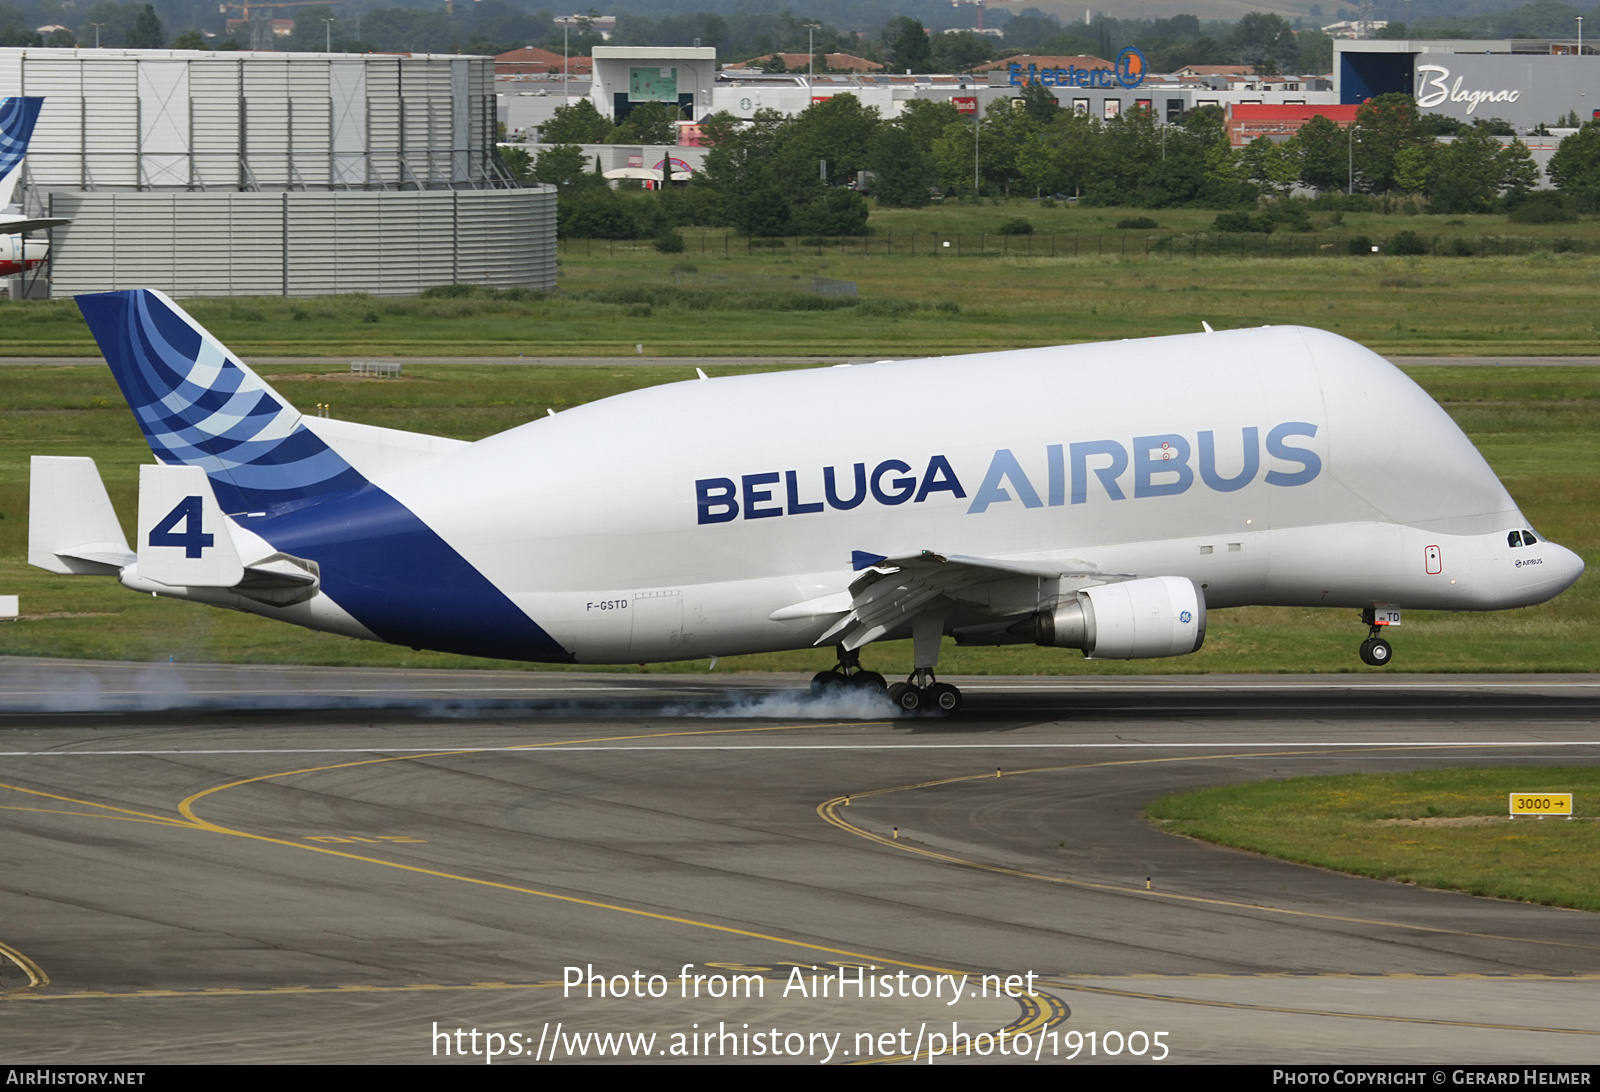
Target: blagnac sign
(1434,89)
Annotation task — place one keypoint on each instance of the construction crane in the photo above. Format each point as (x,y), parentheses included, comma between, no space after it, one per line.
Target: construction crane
(980,4)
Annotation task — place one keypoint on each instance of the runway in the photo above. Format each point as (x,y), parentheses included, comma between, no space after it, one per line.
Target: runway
(314,864)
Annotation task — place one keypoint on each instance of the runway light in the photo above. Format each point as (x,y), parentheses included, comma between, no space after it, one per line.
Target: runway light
(897,833)
(1147,883)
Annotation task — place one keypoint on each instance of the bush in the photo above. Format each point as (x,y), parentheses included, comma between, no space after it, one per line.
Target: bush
(1459,247)
(1237,222)
(835,212)
(1360,244)
(1407,242)
(769,243)
(1047,202)
(1017,226)
(1138,223)
(1543,208)
(670,242)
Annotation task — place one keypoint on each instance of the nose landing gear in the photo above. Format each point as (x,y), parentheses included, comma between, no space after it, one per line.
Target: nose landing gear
(1375,651)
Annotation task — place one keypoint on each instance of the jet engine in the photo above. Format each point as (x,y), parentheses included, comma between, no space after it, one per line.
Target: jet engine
(1129,620)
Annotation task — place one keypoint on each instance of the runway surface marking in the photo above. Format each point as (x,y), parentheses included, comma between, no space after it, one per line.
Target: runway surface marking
(829,811)
(195,822)
(36,976)
(1042,1015)
(1388,682)
(1063,984)
(1039,1012)
(1312,748)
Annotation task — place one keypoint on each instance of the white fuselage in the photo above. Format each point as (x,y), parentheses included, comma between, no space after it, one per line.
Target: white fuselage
(673,522)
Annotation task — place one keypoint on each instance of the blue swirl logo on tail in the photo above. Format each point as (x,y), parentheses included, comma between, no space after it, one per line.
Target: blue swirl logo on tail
(198,405)
(17,115)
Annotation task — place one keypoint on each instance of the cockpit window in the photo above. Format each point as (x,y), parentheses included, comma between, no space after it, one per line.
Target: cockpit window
(1514,538)
(1528,539)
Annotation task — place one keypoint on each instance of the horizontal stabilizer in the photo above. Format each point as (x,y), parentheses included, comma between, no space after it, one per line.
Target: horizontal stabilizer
(16,225)
(72,528)
(183,537)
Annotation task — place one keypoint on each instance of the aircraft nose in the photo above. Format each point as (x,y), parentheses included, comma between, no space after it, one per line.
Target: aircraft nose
(1559,570)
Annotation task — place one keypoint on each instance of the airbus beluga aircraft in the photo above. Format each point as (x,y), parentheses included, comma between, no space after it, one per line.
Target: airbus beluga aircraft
(1094,497)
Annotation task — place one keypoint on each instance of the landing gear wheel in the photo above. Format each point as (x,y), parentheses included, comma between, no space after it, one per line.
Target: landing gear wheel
(943,698)
(907,698)
(867,680)
(825,681)
(1376,652)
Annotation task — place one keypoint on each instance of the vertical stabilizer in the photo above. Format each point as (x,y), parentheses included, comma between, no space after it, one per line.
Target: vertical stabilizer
(17,117)
(199,405)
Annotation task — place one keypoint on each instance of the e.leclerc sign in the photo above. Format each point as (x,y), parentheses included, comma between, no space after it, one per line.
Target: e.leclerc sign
(1128,72)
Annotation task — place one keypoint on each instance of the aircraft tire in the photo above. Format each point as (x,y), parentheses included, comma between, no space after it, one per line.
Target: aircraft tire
(944,698)
(907,698)
(825,681)
(867,680)
(1376,652)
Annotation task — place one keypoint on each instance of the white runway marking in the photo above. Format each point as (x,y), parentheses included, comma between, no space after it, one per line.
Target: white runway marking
(445,749)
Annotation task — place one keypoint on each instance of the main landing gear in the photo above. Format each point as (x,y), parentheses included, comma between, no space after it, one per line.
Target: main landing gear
(846,675)
(1375,651)
(921,693)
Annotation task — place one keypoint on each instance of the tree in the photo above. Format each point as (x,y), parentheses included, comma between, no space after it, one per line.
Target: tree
(906,40)
(146,32)
(902,173)
(1384,126)
(925,120)
(1321,147)
(1575,166)
(191,40)
(1260,36)
(647,123)
(960,52)
(1063,156)
(1040,103)
(1314,51)
(1270,165)
(1468,173)
(561,166)
(579,123)
(1518,172)
(838,130)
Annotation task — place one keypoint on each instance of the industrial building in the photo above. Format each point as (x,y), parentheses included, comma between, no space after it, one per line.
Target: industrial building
(287,173)
(1528,82)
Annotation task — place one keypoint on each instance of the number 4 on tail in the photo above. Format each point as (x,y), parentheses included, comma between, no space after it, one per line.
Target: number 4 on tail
(193,539)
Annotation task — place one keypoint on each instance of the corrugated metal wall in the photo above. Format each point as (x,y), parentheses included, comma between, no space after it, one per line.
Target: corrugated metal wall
(177,119)
(303,243)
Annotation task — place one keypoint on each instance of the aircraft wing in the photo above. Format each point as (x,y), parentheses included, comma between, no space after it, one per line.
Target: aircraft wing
(895,590)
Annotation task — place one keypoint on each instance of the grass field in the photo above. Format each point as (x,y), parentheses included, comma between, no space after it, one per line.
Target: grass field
(624,295)
(1443,828)
(1539,428)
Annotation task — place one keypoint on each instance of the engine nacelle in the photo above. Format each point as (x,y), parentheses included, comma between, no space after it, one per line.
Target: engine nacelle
(1131,620)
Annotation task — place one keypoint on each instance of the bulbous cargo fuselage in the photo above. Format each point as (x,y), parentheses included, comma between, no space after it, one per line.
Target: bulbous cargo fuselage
(1278,465)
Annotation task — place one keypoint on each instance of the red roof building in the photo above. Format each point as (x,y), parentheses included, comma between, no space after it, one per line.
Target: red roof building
(1247,121)
(798,62)
(531,60)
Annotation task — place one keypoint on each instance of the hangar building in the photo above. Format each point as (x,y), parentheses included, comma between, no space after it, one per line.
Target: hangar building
(242,173)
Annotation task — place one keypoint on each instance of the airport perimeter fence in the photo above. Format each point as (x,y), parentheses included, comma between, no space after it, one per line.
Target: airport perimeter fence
(1121,244)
